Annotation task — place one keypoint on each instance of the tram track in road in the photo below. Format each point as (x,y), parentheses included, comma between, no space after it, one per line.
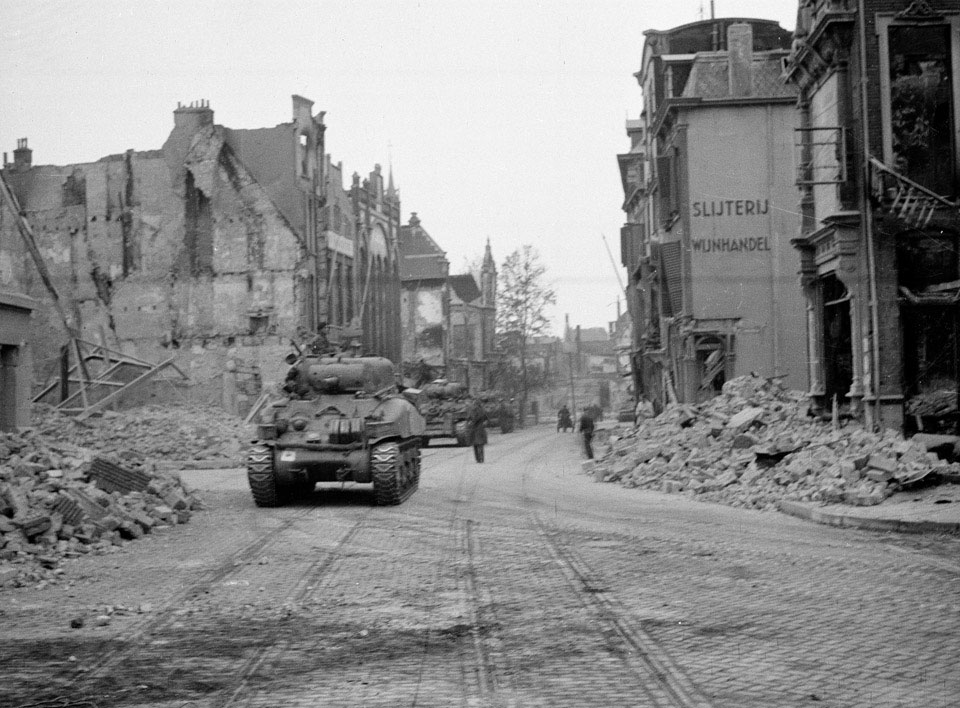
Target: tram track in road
(485,650)
(478,679)
(308,582)
(130,642)
(664,682)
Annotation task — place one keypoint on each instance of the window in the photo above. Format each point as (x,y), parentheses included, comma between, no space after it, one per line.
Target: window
(920,104)
(304,154)
(259,324)
(837,338)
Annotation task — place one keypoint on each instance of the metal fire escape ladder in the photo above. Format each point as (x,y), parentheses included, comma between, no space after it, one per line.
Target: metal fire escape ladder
(905,199)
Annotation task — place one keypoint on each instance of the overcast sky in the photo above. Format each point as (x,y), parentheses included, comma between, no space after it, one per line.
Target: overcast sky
(501,120)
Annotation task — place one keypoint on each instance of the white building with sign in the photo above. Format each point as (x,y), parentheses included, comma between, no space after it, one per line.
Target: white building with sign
(715,275)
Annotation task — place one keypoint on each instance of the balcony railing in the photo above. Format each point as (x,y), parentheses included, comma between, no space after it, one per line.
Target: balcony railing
(905,199)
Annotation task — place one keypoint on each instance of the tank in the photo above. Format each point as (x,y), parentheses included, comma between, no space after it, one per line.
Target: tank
(342,419)
(499,410)
(445,406)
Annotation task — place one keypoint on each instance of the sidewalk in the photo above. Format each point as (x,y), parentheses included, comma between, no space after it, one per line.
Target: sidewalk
(930,510)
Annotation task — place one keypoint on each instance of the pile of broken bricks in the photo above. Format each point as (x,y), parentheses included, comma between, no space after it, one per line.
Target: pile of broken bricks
(59,500)
(171,433)
(755,445)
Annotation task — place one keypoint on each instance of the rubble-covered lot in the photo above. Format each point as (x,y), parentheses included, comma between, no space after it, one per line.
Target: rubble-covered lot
(69,487)
(755,445)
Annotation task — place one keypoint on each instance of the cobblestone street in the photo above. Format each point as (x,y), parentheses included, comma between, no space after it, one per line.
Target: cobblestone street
(519,582)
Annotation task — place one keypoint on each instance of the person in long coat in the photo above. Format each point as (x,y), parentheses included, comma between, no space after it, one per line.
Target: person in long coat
(477,430)
(586,430)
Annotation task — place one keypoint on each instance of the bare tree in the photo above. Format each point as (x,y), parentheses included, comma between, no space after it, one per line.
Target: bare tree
(522,301)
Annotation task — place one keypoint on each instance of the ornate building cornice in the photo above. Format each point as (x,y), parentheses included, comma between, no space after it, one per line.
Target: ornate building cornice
(920,10)
(821,45)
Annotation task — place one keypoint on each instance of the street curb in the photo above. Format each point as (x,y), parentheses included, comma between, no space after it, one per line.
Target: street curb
(222,463)
(820,516)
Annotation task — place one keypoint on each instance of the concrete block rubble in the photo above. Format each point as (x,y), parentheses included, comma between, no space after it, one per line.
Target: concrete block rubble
(755,445)
(68,488)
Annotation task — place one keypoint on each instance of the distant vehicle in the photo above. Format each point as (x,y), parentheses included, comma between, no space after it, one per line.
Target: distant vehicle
(445,405)
(500,412)
(343,419)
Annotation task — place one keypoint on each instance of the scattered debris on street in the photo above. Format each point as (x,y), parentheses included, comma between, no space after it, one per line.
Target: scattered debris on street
(755,445)
(71,487)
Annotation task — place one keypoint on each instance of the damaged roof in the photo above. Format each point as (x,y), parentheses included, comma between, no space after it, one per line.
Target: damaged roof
(465,287)
(420,256)
(710,77)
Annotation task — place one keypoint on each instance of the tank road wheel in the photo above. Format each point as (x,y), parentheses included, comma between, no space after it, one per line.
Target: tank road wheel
(260,476)
(387,483)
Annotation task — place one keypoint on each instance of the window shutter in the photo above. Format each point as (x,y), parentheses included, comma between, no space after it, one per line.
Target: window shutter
(670,267)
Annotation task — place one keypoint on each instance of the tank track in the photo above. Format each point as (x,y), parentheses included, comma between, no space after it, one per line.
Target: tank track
(263,484)
(260,476)
(396,471)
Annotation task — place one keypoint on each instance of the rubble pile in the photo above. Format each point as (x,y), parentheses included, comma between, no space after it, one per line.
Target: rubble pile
(157,432)
(59,499)
(755,445)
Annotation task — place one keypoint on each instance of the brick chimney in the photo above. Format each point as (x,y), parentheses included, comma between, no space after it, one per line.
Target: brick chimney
(22,156)
(740,52)
(194,116)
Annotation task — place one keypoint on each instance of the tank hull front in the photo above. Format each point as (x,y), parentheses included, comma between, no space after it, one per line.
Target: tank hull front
(298,465)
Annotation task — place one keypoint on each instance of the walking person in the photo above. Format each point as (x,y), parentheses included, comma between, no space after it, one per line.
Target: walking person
(563,419)
(477,432)
(586,430)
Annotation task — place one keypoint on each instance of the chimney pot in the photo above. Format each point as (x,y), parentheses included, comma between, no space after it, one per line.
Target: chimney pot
(22,156)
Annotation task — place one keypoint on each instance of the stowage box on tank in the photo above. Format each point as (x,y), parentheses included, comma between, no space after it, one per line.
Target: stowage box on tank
(343,419)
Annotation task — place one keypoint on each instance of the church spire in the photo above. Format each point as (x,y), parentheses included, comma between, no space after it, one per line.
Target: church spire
(488,277)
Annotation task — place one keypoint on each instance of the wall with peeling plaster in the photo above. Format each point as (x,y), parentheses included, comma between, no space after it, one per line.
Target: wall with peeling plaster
(112,234)
(422,312)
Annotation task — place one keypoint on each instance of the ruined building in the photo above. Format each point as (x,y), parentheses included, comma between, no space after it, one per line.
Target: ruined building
(878,168)
(449,320)
(709,206)
(16,360)
(219,247)
(424,303)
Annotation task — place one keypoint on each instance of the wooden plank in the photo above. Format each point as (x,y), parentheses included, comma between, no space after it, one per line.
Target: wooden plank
(258,406)
(116,395)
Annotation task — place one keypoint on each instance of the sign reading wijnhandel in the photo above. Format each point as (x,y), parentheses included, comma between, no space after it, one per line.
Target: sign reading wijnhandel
(734,208)
(731,245)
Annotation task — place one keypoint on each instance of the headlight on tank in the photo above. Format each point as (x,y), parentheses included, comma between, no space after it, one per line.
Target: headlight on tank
(298,424)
